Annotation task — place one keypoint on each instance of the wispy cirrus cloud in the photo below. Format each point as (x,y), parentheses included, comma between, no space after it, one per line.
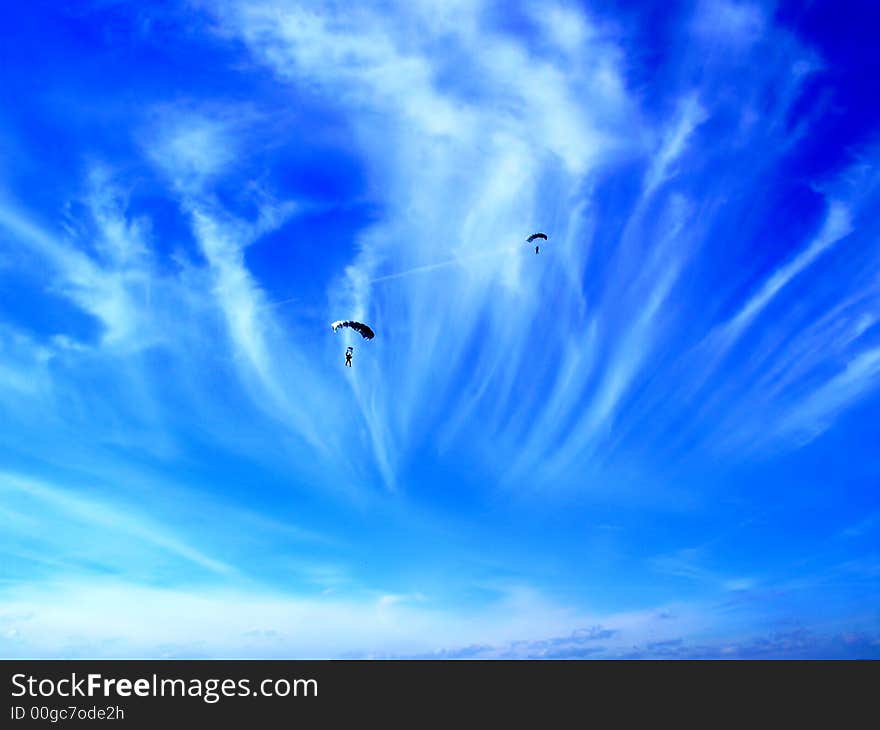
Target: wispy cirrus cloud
(33,496)
(528,136)
(699,310)
(522,136)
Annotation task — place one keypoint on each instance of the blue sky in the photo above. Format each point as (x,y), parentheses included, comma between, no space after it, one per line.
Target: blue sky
(656,438)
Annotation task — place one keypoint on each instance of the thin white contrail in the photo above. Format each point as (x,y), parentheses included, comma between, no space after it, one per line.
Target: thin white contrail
(424,268)
(443,264)
(283,301)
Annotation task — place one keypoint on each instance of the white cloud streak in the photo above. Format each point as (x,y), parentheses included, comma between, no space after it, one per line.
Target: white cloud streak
(463,168)
(97,515)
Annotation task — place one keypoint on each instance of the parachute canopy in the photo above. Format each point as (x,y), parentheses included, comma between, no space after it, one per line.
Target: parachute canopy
(536,235)
(358,327)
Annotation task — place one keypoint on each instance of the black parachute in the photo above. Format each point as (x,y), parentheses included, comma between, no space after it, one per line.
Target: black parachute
(358,327)
(533,237)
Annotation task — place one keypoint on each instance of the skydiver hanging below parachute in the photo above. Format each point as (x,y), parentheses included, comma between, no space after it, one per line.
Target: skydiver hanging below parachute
(533,237)
(367,333)
(359,327)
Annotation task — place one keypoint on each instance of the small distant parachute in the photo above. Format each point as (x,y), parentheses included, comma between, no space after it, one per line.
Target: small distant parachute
(358,327)
(533,237)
